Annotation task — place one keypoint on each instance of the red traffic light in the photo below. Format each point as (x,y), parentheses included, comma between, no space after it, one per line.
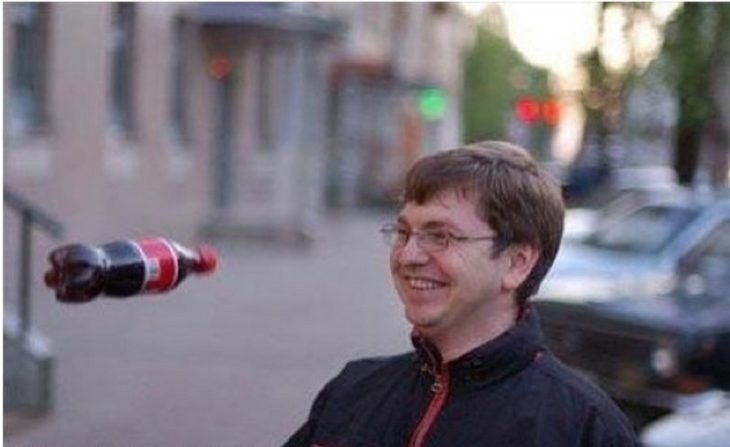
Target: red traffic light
(527,109)
(551,111)
(530,110)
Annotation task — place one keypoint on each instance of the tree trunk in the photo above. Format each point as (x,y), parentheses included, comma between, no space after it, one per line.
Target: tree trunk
(718,129)
(693,90)
(687,153)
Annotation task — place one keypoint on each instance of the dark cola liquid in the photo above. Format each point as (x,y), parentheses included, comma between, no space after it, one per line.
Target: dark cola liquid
(81,272)
(125,274)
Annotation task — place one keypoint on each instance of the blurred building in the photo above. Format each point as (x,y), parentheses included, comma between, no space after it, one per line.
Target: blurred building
(397,87)
(128,119)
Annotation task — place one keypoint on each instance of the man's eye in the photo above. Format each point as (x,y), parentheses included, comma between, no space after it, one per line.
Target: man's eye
(438,236)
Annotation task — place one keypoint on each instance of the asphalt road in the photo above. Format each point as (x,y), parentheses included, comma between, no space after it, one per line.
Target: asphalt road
(234,359)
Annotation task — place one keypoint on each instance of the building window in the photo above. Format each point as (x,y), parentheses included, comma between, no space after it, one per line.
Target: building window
(439,8)
(277,72)
(266,97)
(179,102)
(122,47)
(27,102)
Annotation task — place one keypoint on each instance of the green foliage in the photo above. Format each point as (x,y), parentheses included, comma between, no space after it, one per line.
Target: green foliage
(691,41)
(495,75)
(696,46)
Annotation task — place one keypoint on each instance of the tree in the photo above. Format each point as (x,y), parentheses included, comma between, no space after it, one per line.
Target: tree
(604,94)
(697,43)
(495,75)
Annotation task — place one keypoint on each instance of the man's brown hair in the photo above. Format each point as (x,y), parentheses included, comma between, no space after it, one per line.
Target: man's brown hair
(518,199)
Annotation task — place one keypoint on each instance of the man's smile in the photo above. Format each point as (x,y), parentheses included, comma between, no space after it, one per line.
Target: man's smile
(423,283)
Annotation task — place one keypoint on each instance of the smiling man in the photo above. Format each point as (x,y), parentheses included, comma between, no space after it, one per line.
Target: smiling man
(478,231)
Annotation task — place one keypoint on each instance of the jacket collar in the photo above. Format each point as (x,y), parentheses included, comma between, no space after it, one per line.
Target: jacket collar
(507,354)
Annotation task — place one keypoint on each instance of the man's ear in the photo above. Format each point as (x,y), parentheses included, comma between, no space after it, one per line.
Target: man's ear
(520,261)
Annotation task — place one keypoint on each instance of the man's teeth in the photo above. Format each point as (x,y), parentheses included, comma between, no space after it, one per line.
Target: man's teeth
(423,284)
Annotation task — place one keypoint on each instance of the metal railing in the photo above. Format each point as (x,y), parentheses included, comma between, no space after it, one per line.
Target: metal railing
(30,215)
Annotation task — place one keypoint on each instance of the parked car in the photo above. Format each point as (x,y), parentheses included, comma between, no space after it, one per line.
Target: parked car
(704,424)
(581,222)
(642,305)
(646,248)
(652,355)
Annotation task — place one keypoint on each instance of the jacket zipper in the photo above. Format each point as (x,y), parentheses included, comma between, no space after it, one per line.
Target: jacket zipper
(440,389)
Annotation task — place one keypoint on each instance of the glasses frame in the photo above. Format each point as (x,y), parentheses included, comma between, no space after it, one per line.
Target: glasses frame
(425,239)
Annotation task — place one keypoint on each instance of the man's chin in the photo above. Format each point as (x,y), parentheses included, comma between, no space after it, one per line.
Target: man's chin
(421,322)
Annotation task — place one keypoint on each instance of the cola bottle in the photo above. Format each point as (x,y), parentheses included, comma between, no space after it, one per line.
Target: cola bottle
(82,272)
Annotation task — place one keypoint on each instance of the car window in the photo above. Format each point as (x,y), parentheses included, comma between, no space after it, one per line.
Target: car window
(712,259)
(719,241)
(648,230)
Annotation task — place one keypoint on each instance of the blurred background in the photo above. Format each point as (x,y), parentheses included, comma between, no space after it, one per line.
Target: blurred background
(278,133)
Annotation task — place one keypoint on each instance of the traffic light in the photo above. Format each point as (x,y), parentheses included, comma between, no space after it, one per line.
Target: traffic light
(530,110)
(527,109)
(432,103)
(551,111)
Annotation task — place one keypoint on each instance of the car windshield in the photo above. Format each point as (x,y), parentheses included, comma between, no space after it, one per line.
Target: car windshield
(648,230)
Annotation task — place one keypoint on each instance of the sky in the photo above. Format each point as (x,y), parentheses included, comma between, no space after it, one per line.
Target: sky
(553,34)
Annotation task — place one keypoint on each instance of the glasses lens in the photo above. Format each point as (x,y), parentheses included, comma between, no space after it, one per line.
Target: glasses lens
(434,241)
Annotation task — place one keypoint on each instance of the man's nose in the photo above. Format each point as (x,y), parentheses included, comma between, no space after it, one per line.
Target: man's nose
(411,252)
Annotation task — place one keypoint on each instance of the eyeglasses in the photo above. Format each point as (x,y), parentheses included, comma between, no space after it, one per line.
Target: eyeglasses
(430,241)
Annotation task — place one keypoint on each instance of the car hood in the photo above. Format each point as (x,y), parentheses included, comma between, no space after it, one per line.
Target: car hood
(583,271)
(578,259)
(674,312)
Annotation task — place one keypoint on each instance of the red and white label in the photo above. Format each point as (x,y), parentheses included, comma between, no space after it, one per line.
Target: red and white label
(160,265)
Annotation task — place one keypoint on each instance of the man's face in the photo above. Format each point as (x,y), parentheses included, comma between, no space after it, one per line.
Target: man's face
(453,288)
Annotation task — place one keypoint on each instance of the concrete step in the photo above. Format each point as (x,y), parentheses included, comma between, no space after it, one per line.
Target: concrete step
(28,372)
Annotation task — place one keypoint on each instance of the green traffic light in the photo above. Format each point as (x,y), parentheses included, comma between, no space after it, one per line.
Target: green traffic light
(432,103)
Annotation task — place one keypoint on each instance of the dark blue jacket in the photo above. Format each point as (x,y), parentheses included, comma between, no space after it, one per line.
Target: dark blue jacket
(509,392)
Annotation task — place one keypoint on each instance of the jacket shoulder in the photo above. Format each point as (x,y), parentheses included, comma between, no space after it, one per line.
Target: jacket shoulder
(579,396)
(354,394)
(569,380)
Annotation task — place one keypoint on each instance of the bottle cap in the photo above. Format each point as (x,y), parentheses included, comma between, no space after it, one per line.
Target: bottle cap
(208,260)
(51,278)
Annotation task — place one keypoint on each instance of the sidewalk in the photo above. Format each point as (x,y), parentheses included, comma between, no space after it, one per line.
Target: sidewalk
(229,360)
